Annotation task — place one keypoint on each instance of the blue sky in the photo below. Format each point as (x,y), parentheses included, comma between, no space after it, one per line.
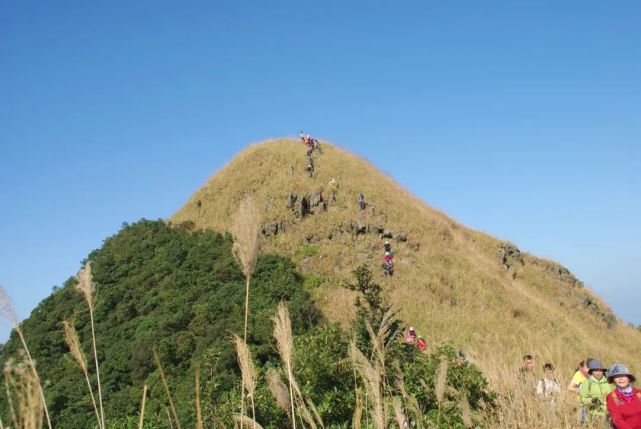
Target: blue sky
(520,119)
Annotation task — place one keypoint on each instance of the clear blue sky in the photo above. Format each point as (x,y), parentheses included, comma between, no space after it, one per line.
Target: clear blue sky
(521,119)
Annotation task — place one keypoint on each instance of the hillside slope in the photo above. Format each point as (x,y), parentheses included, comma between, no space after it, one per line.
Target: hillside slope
(451,283)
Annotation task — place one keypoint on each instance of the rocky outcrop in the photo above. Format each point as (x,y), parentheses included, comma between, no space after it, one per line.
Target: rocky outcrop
(273,228)
(509,257)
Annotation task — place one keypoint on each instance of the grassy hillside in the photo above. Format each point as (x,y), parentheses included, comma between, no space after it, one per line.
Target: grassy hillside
(451,283)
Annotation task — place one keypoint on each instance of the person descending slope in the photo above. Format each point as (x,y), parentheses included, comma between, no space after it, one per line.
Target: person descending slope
(310,166)
(387,247)
(624,402)
(388,264)
(593,392)
(361,201)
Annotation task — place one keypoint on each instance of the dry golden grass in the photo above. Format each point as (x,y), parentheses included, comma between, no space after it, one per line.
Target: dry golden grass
(23,395)
(448,282)
(87,288)
(285,346)
(279,390)
(248,373)
(141,421)
(170,399)
(73,342)
(7,311)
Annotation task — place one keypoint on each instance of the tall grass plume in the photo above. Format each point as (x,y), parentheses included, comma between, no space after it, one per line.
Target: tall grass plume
(87,288)
(73,342)
(7,311)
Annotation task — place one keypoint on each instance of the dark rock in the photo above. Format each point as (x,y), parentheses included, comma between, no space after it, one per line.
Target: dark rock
(361,228)
(387,233)
(303,207)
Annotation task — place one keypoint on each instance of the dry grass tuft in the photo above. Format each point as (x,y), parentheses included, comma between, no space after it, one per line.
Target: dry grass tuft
(246,230)
(142,407)
(73,342)
(285,346)
(246,421)
(199,414)
(167,392)
(247,370)
(466,412)
(23,395)
(87,288)
(372,377)
(279,390)
(7,311)
(86,285)
(399,413)
(441,380)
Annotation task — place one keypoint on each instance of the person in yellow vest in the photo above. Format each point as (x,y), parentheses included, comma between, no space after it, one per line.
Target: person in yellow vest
(593,392)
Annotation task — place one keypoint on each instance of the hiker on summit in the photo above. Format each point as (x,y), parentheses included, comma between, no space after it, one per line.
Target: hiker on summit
(548,387)
(526,372)
(593,392)
(361,201)
(624,402)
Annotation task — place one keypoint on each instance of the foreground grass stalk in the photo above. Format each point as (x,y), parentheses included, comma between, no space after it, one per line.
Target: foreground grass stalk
(87,287)
(166,386)
(73,342)
(142,407)
(248,373)
(245,230)
(6,309)
(285,346)
(199,416)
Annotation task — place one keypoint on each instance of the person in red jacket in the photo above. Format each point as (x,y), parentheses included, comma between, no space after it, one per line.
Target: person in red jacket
(624,403)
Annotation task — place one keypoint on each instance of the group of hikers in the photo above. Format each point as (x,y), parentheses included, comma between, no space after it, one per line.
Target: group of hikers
(312,144)
(606,396)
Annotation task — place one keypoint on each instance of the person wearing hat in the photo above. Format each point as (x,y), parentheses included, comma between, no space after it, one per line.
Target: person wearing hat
(387,246)
(593,392)
(410,337)
(624,402)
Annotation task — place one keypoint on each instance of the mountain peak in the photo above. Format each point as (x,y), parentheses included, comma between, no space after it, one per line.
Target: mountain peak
(451,282)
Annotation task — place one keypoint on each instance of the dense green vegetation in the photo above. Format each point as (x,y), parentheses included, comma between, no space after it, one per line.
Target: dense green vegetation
(180,292)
